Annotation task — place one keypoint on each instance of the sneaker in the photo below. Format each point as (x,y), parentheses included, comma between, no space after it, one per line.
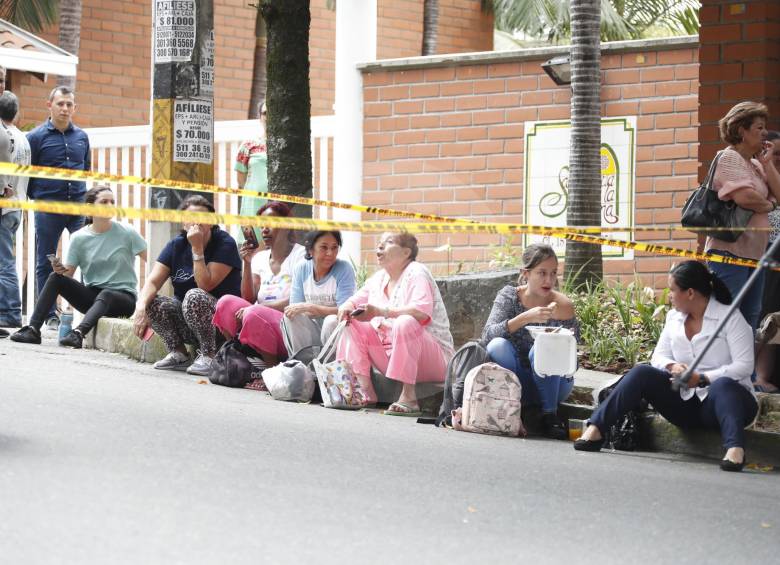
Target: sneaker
(27,334)
(4,333)
(553,428)
(53,323)
(73,339)
(201,366)
(174,361)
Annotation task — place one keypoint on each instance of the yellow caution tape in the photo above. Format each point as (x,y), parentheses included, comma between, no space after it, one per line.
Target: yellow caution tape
(56,174)
(181,216)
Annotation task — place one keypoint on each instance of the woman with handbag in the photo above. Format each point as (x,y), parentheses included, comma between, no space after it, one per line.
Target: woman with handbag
(266,279)
(719,394)
(398,324)
(746,174)
(320,285)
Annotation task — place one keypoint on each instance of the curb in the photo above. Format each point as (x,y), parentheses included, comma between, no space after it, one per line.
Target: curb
(116,335)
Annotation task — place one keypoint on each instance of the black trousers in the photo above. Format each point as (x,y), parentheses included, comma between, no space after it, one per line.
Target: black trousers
(728,406)
(92,301)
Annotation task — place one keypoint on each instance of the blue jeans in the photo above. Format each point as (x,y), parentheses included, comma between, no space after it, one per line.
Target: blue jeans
(735,277)
(10,298)
(547,391)
(48,229)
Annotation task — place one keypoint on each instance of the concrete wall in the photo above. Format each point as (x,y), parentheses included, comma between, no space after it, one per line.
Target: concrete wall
(445,135)
(114,69)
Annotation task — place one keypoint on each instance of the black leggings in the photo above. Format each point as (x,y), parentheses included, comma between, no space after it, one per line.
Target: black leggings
(92,301)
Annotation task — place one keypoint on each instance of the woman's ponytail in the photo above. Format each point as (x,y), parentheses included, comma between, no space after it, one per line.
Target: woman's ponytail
(719,289)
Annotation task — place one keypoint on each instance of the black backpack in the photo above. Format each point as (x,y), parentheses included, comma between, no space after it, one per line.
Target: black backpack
(231,367)
(466,358)
(624,434)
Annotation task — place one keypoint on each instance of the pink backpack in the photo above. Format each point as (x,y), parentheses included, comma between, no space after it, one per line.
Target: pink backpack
(491,402)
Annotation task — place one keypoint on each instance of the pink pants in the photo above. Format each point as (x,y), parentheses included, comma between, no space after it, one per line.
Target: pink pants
(411,355)
(260,328)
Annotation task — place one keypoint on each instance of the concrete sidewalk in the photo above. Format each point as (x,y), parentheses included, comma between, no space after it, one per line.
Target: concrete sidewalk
(116,336)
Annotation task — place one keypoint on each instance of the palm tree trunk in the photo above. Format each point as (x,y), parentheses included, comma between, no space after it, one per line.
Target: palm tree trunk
(258,69)
(289,100)
(583,261)
(70,34)
(430,27)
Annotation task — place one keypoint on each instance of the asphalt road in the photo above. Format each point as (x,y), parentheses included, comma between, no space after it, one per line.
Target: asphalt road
(104,460)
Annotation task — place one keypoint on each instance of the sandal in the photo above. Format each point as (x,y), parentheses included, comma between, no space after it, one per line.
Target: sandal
(403,409)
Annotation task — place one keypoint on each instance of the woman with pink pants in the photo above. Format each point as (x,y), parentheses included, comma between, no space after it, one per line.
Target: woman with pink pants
(398,323)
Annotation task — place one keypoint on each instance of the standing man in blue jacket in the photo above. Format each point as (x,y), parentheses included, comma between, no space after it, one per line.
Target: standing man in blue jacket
(56,143)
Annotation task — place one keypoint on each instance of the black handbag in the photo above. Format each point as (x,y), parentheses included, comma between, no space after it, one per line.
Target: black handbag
(704,209)
(230,366)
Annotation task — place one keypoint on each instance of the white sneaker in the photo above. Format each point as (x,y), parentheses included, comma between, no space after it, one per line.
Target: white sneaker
(201,366)
(174,361)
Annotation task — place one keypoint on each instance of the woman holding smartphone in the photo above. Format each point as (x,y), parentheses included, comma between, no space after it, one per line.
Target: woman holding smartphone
(265,289)
(398,324)
(105,251)
(747,175)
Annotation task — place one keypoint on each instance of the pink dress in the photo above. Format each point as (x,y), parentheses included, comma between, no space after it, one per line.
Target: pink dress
(732,174)
(401,348)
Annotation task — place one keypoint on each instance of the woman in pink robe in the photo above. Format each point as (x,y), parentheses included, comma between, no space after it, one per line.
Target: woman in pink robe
(398,324)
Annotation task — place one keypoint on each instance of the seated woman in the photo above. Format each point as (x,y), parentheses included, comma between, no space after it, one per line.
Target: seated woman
(320,285)
(402,329)
(719,393)
(509,344)
(105,251)
(203,265)
(266,280)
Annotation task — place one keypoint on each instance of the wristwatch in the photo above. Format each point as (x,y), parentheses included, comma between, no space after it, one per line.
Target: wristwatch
(196,257)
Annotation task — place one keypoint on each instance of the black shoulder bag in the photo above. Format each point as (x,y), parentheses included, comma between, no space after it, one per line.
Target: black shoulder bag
(704,209)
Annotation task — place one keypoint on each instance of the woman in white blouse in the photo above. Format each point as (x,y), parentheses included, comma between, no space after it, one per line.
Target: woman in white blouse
(719,393)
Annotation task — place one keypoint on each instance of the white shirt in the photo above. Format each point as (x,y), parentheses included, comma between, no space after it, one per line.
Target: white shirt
(275,287)
(730,356)
(20,154)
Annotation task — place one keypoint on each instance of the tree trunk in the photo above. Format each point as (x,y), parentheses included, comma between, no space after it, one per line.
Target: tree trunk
(289,101)
(70,34)
(430,27)
(258,69)
(583,261)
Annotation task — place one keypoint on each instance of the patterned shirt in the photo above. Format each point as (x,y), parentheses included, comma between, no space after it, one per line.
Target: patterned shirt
(508,305)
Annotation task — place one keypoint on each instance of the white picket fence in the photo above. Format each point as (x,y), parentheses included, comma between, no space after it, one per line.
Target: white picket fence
(126,151)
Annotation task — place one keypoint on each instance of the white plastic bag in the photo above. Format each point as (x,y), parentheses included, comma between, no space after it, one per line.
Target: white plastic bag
(290,381)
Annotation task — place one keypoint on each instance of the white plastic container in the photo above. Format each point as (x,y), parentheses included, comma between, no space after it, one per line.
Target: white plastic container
(555,353)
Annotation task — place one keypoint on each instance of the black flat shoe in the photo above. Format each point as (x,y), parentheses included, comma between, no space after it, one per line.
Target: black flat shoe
(730,466)
(589,445)
(4,333)
(72,339)
(27,334)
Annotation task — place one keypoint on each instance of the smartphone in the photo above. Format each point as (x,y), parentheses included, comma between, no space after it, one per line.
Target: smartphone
(250,237)
(148,334)
(357,312)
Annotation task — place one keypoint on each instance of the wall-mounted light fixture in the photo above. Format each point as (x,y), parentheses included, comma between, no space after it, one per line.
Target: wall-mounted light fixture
(558,69)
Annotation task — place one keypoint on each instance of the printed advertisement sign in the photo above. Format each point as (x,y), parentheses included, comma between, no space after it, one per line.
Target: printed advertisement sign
(546,187)
(174,34)
(193,131)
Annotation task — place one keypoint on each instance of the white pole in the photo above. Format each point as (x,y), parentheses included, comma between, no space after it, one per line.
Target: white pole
(355,43)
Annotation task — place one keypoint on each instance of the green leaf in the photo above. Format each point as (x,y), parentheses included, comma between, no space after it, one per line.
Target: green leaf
(32,15)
